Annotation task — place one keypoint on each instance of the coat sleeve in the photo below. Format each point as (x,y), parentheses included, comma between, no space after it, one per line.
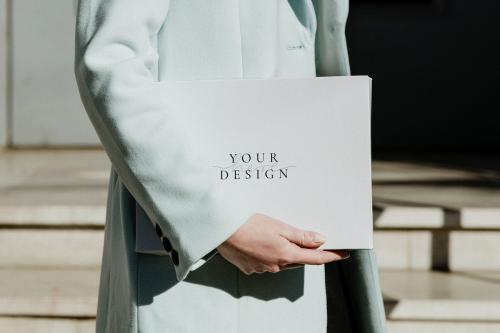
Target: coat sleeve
(331,48)
(115,60)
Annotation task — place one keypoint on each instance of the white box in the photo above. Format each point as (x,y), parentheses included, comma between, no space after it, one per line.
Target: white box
(315,136)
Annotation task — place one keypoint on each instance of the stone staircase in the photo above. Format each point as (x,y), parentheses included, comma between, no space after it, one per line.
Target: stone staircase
(437,237)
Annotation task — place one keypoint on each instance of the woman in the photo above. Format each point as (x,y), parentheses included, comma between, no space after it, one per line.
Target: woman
(206,282)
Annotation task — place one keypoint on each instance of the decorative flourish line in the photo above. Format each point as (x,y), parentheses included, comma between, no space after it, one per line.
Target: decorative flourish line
(248,166)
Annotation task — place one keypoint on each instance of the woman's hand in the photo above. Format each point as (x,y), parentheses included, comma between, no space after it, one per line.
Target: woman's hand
(264,244)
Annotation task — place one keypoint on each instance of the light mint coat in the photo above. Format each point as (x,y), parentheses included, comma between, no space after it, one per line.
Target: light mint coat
(123,47)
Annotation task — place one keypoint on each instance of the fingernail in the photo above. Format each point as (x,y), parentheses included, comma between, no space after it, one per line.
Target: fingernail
(319,238)
(344,254)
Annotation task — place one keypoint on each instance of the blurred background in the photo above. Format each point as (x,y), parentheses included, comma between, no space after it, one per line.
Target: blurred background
(436,167)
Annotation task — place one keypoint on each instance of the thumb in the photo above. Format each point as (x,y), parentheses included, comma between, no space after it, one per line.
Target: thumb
(303,238)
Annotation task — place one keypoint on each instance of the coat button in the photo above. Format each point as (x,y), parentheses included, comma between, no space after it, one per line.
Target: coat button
(175,257)
(158,230)
(166,244)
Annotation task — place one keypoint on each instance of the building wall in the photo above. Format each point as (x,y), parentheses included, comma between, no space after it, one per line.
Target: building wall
(435,66)
(3,73)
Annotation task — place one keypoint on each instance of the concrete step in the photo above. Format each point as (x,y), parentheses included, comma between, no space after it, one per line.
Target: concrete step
(31,179)
(436,302)
(46,325)
(65,300)
(40,300)
(54,248)
(44,293)
(438,250)
(436,218)
(442,327)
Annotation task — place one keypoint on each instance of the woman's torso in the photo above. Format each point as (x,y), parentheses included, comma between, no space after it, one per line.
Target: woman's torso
(204,39)
(207,39)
